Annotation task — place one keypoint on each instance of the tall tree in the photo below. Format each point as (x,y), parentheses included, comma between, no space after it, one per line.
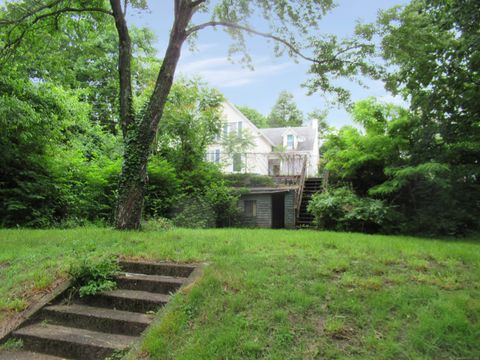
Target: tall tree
(293,27)
(254,116)
(285,112)
(433,46)
(191,120)
(81,53)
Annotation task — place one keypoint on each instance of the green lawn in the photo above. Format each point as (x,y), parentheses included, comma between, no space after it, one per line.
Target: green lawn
(281,294)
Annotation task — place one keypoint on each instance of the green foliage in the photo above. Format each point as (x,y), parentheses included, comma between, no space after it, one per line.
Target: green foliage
(162,189)
(249,180)
(193,211)
(11,345)
(158,224)
(224,202)
(401,159)
(206,200)
(254,116)
(66,164)
(340,209)
(78,54)
(235,144)
(93,275)
(190,122)
(285,112)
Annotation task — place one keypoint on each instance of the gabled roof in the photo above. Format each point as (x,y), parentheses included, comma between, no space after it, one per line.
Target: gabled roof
(276,136)
(240,114)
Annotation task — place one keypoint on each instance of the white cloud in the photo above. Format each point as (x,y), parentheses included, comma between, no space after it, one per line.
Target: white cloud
(220,72)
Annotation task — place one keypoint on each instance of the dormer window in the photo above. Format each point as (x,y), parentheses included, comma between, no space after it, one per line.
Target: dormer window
(290,142)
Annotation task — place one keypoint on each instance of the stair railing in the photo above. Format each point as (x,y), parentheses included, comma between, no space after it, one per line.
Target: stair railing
(301,186)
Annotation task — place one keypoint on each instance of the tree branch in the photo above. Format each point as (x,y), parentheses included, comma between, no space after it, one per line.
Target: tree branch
(253,31)
(31,13)
(53,13)
(12,44)
(197,3)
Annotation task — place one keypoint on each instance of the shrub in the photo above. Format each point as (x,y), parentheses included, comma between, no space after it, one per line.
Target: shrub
(224,202)
(162,189)
(341,209)
(158,224)
(194,211)
(248,180)
(91,276)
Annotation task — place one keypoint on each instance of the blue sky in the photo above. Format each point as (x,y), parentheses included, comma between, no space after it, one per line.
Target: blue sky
(259,89)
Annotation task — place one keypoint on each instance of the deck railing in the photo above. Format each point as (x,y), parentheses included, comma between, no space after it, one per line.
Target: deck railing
(300,188)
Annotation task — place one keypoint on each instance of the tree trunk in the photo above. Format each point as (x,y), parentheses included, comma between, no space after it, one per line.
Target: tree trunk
(141,132)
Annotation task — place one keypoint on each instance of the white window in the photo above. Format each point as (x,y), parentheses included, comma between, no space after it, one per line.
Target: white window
(217,156)
(290,142)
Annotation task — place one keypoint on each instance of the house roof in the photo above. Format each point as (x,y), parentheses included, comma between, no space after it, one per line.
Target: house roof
(307,133)
(240,114)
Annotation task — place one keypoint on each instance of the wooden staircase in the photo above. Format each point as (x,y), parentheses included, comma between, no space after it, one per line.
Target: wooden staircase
(97,327)
(312,186)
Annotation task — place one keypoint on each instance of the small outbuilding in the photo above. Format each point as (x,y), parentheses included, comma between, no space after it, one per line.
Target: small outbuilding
(268,208)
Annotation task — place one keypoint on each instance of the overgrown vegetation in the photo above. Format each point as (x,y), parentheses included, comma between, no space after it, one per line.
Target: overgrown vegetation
(90,276)
(341,209)
(280,294)
(249,180)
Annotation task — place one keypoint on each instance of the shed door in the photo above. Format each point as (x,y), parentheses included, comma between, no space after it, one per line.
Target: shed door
(278,210)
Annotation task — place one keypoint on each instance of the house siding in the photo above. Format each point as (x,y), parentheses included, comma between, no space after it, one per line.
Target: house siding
(264,210)
(290,210)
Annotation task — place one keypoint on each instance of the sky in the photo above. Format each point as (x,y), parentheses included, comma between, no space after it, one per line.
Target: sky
(259,88)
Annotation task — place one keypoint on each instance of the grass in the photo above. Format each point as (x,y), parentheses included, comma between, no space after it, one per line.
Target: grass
(280,294)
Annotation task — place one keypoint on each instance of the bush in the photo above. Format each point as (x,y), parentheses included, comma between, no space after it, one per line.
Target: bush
(162,189)
(194,211)
(158,224)
(341,209)
(91,276)
(224,202)
(248,180)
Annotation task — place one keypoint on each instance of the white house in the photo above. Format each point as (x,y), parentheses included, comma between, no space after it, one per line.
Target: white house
(275,151)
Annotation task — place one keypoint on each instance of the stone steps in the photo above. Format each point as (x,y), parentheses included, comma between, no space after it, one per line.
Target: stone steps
(129,300)
(26,355)
(96,327)
(98,319)
(151,283)
(72,342)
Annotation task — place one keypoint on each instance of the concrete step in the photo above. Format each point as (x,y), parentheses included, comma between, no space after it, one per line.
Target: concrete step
(70,342)
(152,283)
(97,319)
(129,300)
(155,268)
(26,355)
